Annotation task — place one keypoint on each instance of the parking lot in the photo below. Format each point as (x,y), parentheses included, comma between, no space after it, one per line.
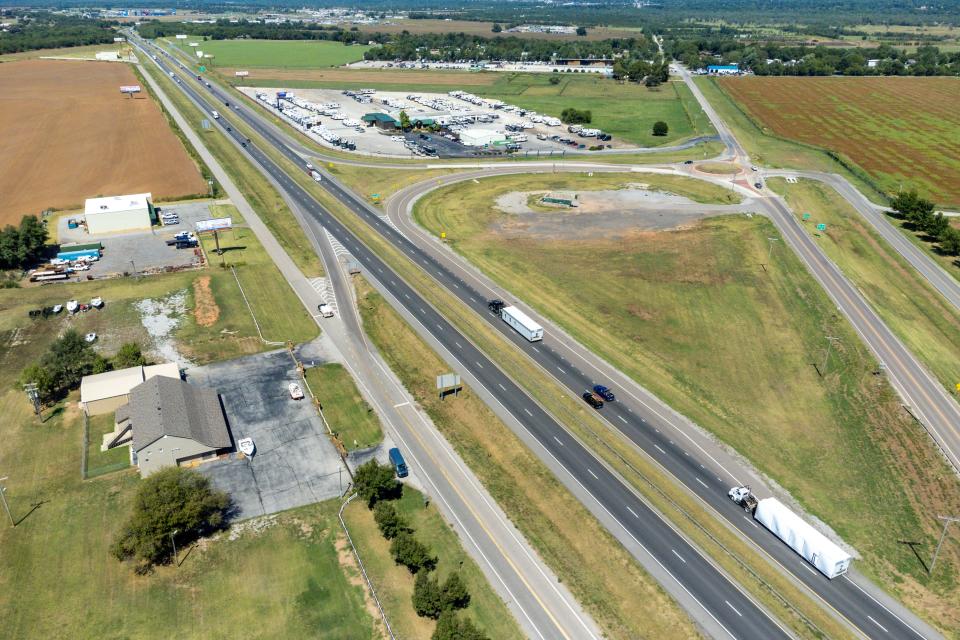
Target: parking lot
(295,463)
(139,251)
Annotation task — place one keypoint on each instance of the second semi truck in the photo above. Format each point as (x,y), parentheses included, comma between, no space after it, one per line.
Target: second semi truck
(521,322)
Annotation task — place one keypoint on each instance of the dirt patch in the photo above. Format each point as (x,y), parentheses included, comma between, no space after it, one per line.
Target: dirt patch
(67,134)
(351,570)
(205,309)
(161,318)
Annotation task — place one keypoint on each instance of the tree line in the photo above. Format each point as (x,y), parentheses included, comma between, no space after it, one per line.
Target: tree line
(920,216)
(43,30)
(226,30)
(22,246)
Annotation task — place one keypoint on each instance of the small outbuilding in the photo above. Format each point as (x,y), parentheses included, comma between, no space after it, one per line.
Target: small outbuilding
(104,392)
(381,121)
(116,214)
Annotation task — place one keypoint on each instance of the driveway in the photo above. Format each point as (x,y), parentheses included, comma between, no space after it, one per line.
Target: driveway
(295,463)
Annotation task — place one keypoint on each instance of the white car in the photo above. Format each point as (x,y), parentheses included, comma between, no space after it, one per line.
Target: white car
(247,446)
(97,303)
(295,391)
(90,337)
(72,306)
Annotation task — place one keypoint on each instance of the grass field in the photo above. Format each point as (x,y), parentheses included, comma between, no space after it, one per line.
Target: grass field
(282,54)
(85,51)
(394,583)
(626,603)
(345,410)
(866,120)
(483,29)
(690,315)
(102,462)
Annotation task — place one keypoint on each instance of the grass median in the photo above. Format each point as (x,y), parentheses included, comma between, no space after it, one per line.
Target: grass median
(742,560)
(350,417)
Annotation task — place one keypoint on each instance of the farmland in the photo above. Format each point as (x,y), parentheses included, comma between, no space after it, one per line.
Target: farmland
(284,54)
(66,134)
(656,316)
(901,131)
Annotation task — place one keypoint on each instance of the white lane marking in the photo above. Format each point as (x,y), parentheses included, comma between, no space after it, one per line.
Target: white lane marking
(439,326)
(622,419)
(702,482)
(422,310)
(633,512)
(809,569)
(561,370)
(501,386)
(528,412)
(679,556)
(660,450)
(459,346)
(590,471)
(479,365)
(870,618)
(535,349)
(558,440)
(407,296)
(402,404)
(734,609)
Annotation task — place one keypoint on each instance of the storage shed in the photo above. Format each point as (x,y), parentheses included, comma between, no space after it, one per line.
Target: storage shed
(104,392)
(115,214)
(381,121)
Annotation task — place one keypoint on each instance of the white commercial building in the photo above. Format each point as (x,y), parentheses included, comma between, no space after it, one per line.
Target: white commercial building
(481,137)
(115,214)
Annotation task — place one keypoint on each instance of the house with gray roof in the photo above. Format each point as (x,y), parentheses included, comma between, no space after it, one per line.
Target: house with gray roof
(170,422)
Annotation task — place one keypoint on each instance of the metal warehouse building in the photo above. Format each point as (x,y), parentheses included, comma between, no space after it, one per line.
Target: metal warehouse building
(115,214)
(481,137)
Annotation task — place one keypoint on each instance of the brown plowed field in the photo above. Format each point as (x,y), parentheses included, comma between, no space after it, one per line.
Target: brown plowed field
(67,134)
(900,130)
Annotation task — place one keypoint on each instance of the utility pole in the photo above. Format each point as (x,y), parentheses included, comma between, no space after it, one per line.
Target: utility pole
(6,507)
(770,250)
(947,521)
(830,341)
(174,543)
(34,395)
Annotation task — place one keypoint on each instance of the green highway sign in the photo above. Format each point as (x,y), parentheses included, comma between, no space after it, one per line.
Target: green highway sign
(806,216)
(202,68)
(821,227)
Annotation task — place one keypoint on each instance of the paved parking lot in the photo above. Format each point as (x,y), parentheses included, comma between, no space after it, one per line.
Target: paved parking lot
(142,250)
(295,463)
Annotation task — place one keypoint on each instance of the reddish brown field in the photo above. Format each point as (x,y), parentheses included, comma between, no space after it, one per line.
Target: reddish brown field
(67,134)
(900,130)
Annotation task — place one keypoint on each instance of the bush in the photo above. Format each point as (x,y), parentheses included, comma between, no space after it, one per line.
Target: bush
(451,627)
(454,594)
(576,116)
(374,482)
(66,361)
(427,598)
(172,499)
(409,552)
(390,522)
(129,355)
(496,27)
(581,31)
(660,128)
(554,79)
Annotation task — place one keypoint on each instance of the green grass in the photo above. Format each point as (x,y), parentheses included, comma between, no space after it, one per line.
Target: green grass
(394,583)
(101,462)
(282,54)
(773,152)
(261,195)
(691,315)
(57,578)
(345,410)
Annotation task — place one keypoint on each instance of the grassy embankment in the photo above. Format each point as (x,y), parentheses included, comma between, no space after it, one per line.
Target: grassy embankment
(350,417)
(692,316)
(774,152)
(85,51)
(261,195)
(627,603)
(765,582)
(394,583)
(282,54)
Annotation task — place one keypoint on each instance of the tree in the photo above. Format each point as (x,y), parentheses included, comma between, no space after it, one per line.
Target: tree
(450,626)
(581,31)
(129,355)
(576,116)
(496,27)
(172,499)
(404,121)
(950,241)
(409,552)
(937,225)
(374,482)
(22,246)
(68,359)
(454,594)
(554,79)
(427,598)
(40,376)
(390,522)
(660,128)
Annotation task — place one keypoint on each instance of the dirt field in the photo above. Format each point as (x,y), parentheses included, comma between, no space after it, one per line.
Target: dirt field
(67,134)
(900,130)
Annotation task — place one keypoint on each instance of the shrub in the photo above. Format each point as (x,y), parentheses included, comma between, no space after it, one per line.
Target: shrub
(374,481)
(451,627)
(129,355)
(390,522)
(172,499)
(576,116)
(409,552)
(554,79)
(427,598)
(454,594)
(660,128)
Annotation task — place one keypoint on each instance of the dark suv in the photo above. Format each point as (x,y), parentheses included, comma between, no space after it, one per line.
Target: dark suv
(593,400)
(604,392)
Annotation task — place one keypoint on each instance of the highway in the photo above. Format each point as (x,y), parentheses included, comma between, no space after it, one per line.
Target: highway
(733,612)
(640,423)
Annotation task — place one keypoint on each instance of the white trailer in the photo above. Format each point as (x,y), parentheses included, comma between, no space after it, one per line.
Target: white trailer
(828,558)
(522,323)
(216,116)
(316,176)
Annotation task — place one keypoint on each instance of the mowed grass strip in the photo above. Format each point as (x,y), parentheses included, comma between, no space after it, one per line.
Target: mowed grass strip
(101,462)
(261,195)
(691,315)
(903,131)
(283,54)
(347,413)
(394,583)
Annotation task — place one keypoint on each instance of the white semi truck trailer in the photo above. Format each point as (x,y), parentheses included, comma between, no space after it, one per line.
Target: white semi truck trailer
(521,322)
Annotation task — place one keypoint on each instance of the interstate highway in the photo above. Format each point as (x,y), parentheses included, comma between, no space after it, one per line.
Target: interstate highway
(734,612)
(638,422)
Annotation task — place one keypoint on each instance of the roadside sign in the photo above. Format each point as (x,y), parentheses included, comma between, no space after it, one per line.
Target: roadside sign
(443,236)
(205,123)
(329,165)
(374,196)
(202,68)
(447,383)
(213,224)
(806,216)
(958,386)
(821,227)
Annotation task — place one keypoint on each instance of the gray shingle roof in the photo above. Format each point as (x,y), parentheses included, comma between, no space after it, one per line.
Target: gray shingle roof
(164,406)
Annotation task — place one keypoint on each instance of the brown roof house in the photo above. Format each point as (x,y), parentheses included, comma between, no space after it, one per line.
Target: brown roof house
(169,422)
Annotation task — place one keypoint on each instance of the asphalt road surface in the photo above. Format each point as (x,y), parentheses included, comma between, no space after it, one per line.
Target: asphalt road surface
(734,612)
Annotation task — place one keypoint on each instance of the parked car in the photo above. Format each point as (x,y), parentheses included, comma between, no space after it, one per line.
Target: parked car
(90,337)
(758,185)
(604,392)
(296,392)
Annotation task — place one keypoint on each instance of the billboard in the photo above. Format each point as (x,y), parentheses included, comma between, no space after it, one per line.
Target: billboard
(119,39)
(214,224)
(181,36)
(133,88)
(193,44)
(199,53)
(241,74)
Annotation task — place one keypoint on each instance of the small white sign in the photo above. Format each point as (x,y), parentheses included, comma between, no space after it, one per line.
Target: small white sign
(132,88)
